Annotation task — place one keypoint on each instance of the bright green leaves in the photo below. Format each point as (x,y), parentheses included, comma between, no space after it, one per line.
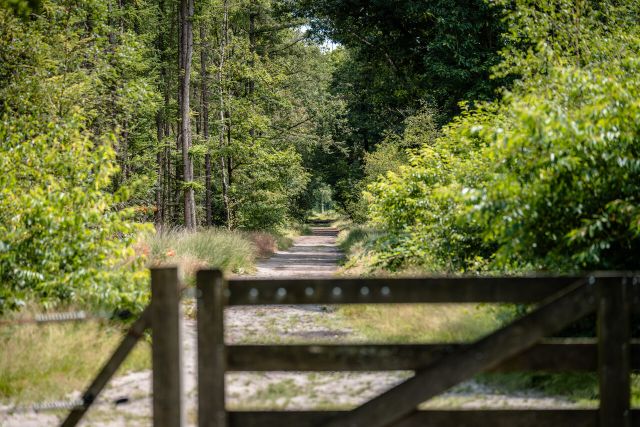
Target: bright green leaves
(62,240)
(548,177)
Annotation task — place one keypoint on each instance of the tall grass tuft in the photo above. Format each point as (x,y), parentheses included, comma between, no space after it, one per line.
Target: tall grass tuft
(230,251)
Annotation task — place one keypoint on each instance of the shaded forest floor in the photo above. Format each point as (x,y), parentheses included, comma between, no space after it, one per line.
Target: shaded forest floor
(315,255)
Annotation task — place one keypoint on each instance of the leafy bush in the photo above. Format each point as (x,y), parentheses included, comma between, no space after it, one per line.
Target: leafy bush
(545,178)
(265,193)
(60,237)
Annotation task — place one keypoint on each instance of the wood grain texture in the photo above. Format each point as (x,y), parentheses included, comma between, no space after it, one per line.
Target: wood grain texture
(437,418)
(483,355)
(166,347)
(211,349)
(614,353)
(566,356)
(397,290)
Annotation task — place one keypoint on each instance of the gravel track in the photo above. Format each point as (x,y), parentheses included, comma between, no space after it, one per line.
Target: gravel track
(316,256)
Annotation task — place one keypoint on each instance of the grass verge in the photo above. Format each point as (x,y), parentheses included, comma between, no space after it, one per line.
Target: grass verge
(231,251)
(47,362)
(580,388)
(420,323)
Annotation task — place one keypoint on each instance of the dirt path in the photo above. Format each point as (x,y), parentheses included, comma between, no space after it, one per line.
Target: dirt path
(315,255)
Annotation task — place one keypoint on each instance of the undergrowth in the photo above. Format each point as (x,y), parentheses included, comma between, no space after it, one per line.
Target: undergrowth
(231,251)
(420,323)
(581,388)
(41,363)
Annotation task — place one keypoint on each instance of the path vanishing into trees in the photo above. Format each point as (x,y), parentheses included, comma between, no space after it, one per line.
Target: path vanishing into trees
(315,255)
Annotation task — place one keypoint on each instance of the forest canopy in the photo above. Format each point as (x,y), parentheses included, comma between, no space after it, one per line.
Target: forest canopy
(475,136)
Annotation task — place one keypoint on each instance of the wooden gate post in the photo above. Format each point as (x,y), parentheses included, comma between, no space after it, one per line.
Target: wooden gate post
(211,350)
(614,353)
(166,319)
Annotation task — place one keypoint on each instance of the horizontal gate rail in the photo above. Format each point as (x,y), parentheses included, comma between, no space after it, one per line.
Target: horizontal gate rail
(518,347)
(480,356)
(577,356)
(517,290)
(437,418)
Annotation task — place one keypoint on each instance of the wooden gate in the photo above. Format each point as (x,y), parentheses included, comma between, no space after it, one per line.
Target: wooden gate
(518,346)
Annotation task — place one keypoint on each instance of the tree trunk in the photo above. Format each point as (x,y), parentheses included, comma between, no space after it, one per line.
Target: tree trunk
(159,217)
(252,51)
(186,50)
(224,38)
(204,93)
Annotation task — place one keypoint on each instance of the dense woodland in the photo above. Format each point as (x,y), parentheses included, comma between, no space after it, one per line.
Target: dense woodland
(473,136)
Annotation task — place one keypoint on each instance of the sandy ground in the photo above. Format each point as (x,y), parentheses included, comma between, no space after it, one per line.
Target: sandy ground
(315,255)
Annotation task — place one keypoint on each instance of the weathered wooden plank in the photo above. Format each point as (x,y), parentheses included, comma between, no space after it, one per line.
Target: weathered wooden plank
(437,418)
(613,355)
(395,290)
(481,356)
(568,356)
(211,349)
(634,294)
(166,348)
(110,367)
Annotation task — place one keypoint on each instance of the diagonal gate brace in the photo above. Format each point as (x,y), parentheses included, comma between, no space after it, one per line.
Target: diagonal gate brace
(576,301)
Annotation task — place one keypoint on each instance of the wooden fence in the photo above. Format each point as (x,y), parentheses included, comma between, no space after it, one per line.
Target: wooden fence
(519,346)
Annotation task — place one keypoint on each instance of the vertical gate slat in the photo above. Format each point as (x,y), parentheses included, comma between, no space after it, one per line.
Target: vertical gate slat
(211,350)
(166,320)
(614,353)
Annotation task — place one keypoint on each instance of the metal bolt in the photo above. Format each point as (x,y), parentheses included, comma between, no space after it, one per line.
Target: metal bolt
(281,293)
(253,293)
(364,291)
(385,291)
(592,280)
(337,291)
(309,291)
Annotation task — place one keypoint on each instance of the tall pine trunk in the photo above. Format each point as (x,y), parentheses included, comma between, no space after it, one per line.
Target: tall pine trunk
(204,103)
(186,51)
(159,217)
(224,39)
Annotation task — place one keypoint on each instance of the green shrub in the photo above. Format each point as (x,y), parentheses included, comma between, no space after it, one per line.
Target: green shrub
(545,178)
(61,236)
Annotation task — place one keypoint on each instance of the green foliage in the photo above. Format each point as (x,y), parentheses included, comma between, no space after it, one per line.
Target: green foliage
(22,8)
(391,59)
(61,239)
(65,232)
(405,52)
(545,178)
(264,193)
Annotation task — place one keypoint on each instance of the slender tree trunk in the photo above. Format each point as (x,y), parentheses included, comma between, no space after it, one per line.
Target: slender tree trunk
(252,51)
(204,102)
(159,217)
(163,154)
(186,51)
(224,38)
(252,43)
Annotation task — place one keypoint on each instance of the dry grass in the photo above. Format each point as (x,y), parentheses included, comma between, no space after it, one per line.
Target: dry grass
(419,323)
(231,251)
(47,362)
